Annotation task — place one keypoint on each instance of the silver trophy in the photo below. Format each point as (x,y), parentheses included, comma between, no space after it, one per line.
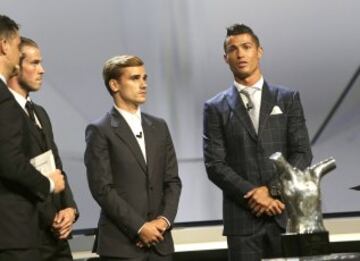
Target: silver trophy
(301,194)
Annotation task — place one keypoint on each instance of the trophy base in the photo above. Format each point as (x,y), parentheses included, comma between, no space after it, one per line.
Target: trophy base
(312,244)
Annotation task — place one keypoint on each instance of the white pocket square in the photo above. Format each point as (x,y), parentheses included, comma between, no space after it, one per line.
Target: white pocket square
(276,110)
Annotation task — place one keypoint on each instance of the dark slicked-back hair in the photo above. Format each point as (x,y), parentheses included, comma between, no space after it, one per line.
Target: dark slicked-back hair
(26,42)
(113,67)
(237,29)
(8,27)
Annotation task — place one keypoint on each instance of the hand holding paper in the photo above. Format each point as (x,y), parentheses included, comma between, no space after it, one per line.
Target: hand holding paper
(45,163)
(58,179)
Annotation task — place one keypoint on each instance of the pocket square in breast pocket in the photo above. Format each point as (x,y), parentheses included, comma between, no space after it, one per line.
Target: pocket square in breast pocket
(276,110)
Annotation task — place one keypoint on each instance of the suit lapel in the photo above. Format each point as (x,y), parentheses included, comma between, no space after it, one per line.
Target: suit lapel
(35,132)
(150,143)
(267,103)
(44,124)
(123,131)
(239,110)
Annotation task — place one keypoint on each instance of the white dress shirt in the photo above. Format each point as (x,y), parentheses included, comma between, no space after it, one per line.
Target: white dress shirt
(255,92)
(134,122)
(21,100)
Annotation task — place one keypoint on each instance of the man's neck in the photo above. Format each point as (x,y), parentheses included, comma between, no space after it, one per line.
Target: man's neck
(4,71)
(126,107)
(249,81)
(15,86)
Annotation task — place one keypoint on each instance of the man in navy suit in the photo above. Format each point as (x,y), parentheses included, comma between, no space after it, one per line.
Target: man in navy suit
(243,126)
(132,170)
(58,212)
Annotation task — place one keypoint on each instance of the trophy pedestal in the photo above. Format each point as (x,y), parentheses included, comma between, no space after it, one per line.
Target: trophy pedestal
(297,245)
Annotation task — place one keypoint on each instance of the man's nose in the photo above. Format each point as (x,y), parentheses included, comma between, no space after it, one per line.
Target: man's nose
(42,70)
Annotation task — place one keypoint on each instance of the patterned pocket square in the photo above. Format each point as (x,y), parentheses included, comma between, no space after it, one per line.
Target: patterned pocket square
(276,110)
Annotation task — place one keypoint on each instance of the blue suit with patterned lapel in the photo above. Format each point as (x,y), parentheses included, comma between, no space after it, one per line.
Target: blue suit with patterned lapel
(129,190)
(237,159)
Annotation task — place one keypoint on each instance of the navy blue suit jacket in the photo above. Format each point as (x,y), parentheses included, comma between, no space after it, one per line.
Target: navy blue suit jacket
(237,158)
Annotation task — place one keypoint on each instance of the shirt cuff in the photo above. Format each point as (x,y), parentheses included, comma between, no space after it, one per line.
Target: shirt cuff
(166,220)
(52,185)
(139,231)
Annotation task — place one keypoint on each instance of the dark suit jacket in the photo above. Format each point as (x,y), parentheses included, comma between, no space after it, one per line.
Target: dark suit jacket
(237,159)
(129,191)
(21,185)
(39,144)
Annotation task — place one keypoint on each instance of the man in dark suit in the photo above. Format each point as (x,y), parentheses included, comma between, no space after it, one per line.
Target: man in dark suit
(58,212)
(132,170)
(21,185)
(243,126)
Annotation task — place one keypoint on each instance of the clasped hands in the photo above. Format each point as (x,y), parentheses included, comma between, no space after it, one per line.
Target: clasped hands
(63,222)
(152,232)
(260,202)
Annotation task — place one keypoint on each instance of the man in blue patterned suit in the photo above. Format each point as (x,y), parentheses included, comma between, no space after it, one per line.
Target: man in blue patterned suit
(243,126)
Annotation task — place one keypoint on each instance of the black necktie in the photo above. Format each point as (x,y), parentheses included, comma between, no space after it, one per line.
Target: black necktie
(30,109)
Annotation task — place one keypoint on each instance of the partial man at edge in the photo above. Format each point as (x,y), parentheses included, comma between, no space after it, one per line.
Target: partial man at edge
(22,187)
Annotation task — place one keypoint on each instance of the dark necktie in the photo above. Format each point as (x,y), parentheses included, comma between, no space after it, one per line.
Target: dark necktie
(30,109)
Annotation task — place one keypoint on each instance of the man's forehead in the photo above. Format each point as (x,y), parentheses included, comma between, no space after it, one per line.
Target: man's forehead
(239,39)
(30,50)
(134,70)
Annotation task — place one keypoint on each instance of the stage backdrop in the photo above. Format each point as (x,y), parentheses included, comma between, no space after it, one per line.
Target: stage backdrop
(311,46)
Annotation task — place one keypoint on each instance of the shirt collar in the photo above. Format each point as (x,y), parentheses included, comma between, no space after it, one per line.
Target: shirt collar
(127,114)
(257,86)
(19,98)
(2,77)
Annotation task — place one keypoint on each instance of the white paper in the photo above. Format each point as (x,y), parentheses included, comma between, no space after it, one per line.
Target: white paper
(44,163)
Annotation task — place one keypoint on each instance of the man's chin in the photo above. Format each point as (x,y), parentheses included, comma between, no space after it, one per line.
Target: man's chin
(31,88)
(242,75)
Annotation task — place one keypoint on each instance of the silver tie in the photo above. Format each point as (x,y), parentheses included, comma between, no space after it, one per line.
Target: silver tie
(250,107)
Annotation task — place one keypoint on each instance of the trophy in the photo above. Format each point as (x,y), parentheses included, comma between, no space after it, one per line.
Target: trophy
(305,232)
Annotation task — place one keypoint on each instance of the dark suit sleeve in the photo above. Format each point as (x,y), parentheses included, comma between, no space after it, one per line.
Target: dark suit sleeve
(215,153)
(172,183)
(14,165)
(100,179)
(66,196)
(299,149)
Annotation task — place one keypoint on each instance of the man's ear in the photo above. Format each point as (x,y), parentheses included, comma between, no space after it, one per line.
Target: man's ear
(3,46)
(226,58)
(260,52)
(114,85)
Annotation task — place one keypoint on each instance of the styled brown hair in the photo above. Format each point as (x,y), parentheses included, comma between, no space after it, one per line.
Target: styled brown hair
(114,66)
